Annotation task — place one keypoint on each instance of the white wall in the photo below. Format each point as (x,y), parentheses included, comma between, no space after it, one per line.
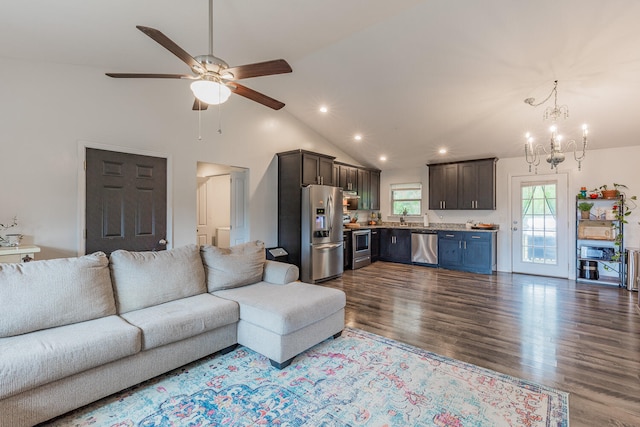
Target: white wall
(47,109)
(600,167)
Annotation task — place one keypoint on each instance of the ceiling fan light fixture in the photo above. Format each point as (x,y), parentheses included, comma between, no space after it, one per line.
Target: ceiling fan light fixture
(210,92)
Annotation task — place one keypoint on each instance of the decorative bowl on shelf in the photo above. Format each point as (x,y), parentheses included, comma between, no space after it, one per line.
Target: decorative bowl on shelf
(482,226)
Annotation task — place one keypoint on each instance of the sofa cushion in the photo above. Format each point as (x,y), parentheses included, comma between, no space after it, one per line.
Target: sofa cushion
(285,308)
(44,356)
(143,279)
(227,268)
(187,317)
(49,293)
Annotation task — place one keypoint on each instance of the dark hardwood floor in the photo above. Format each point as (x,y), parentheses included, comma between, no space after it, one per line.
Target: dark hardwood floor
(580,338)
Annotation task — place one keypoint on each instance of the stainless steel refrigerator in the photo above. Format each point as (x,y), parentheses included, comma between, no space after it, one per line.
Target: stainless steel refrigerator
(321,249)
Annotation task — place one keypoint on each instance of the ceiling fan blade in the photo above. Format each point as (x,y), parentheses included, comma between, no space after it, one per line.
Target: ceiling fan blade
(148,76)
(199,105)
(268,68)
(255,96)
(168,44)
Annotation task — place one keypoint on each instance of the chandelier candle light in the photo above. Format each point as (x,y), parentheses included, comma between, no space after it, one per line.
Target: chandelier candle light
(556,153)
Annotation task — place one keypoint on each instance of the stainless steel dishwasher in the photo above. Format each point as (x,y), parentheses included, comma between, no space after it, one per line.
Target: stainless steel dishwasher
(424,247)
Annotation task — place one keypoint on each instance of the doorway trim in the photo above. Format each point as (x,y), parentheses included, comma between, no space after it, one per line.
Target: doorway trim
(239,215)
(82,186)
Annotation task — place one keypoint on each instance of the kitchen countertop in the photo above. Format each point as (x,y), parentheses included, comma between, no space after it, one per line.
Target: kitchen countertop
(420,227)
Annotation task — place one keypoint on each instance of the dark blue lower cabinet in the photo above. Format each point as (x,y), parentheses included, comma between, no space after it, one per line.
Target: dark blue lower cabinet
(395,245)
(467,251)
(450,250)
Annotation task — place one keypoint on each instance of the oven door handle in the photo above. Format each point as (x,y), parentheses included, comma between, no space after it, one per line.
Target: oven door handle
(328,246)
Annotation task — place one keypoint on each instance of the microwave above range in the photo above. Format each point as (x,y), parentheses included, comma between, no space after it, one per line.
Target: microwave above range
(350,200)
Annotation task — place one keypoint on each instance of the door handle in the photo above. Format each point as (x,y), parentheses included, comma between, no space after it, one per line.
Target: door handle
(162,242)
(329,246)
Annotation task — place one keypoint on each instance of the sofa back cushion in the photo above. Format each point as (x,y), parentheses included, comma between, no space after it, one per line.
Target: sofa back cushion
(49,293)
(232,267)
(145,279)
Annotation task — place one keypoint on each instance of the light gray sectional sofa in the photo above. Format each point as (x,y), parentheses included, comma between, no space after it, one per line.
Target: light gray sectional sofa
(78,329)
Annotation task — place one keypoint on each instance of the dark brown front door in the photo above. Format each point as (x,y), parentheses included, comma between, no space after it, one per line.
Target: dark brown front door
(126,201)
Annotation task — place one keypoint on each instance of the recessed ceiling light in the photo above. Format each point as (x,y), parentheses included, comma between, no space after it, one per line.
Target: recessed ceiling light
(323,109)
(442,151)
(383,158)
(358,137)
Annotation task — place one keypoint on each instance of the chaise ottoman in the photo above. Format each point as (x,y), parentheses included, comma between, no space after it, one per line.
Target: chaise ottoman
(279,316)
(282,321)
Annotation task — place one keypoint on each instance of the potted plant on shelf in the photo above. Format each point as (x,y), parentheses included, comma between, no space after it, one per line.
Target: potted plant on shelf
(608,193)
(621,210)
(585,209)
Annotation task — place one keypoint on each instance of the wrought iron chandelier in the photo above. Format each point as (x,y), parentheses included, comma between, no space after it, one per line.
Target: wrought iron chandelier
(556,153)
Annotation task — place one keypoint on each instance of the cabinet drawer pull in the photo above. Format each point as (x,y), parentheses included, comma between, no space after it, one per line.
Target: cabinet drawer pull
(476,237)
(449,235)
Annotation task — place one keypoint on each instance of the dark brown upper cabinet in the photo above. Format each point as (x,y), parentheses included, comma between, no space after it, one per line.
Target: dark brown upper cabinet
(443,186)
(364,189)
(347,177)
(374,190)
(469,185)
(316,168)
(364,181)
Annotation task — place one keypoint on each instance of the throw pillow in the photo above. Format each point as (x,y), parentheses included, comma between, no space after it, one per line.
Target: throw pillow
(144,279)
(239,265)
(48,293)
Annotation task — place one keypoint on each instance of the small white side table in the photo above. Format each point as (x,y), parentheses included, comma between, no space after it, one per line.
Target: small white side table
(24,253)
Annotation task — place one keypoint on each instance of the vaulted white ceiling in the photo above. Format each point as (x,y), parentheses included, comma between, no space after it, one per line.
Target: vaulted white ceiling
(411,76)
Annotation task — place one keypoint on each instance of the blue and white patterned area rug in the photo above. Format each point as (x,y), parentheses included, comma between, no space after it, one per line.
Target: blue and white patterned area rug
(356,380)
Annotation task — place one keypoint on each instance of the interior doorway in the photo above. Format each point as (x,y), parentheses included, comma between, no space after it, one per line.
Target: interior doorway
(540,227)
(222,205)
(156,238)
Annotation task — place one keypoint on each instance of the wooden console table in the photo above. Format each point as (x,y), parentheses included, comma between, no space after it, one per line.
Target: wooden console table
(24,253)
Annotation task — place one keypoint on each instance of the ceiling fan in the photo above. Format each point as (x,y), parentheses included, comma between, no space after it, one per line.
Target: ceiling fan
(213,79)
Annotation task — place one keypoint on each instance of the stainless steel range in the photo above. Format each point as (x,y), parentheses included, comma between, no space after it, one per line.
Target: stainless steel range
(361,248)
